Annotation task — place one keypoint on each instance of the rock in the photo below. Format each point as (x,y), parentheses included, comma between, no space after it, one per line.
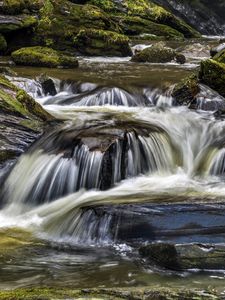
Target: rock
(212,73)
(47,84)
(180,58)
(186,91)
(22,120)
(220,56)
(15,7)
(136,26)
(13,23)
(215,50)
(101,42)
(186,256)
(158,54)
(43,57)
(3,44)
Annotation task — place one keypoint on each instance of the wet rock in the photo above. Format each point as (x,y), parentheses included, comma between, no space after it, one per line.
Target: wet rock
(216,50)
(220,56)
(43,57)
(47,84)
(186,256)
(158,54)
(13,23)
(212,73)
(186,91)
(3,44)
(7,71)
(180,58)
(22,121)
(100,43)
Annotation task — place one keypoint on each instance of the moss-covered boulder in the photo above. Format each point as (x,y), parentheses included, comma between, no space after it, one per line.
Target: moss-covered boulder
(137,25)
(13,23)
(60,21)
(158,54)
(100,43)
(147,10)
(186,91)
(3,44)
(212,73)
(43,57)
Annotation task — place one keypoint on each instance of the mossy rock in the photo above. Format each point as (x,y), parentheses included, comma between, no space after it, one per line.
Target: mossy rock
(220,57)
(212,73)
(60,21)
(156,54)
(17,6)
(186,91)
(13,23)
(43,57)
(137,25)
(3,44)
(101,42)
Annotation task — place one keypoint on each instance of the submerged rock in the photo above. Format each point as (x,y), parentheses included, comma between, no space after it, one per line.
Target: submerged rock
(186,256)
(47,84)
(43,57)
(158,54)
(101,42)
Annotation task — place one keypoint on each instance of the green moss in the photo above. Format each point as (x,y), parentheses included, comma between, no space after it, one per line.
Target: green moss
(100,42)
(212,73)
(17,6)
(43,57)
(3,44)
(220,57)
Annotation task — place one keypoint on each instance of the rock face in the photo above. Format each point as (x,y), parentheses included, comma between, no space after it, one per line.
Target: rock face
(43,57)
(100,42)
(22,121)
(158,54)
(206,16)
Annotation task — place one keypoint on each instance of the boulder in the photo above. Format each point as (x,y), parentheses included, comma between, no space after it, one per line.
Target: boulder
(158,54)
(43,57)
(101,42)
(184,256)
(47,84)
(16,7)
(212,73)
(186,91)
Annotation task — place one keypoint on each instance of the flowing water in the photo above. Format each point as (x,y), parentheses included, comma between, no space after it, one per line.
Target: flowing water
(124,165)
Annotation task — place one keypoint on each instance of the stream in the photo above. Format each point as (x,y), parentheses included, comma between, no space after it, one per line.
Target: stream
(123,166)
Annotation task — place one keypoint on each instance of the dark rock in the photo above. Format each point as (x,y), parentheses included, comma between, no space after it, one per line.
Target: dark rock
(180,58)
(186,91)
(12,23)
(48,85)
